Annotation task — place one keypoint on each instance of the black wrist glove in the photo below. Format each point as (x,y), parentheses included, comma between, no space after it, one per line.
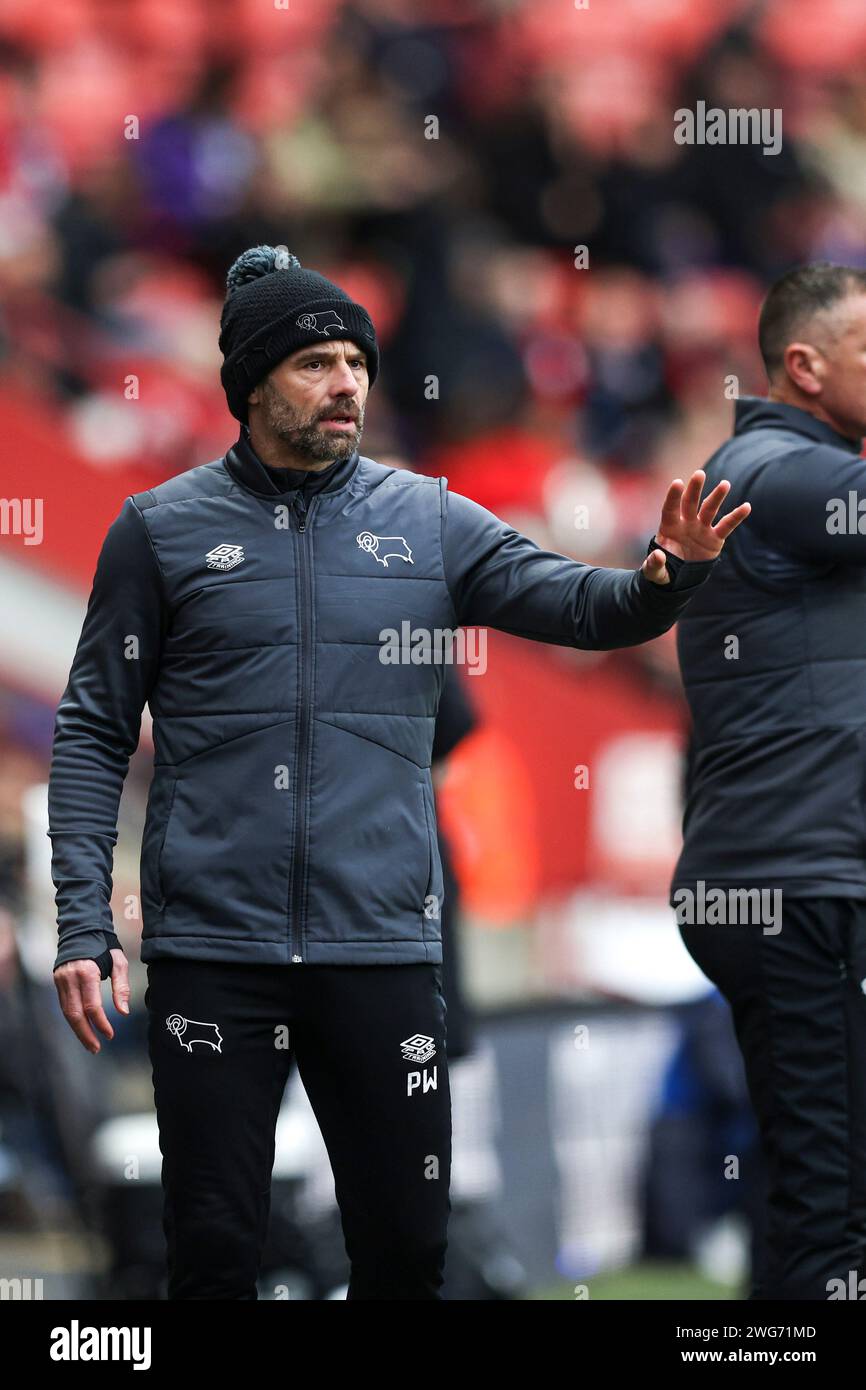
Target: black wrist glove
(104,961)
(106,965)
(675,563)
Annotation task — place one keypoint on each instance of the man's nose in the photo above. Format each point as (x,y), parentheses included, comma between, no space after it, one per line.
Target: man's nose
(346,383)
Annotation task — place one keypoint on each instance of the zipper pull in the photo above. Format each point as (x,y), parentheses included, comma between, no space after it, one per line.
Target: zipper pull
(301,507)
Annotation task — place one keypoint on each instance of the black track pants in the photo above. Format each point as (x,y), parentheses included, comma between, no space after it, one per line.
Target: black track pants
(799,1006)
(369,1042)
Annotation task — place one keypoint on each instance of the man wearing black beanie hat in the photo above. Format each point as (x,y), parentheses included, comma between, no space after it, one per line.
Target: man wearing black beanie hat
(304,409)
(289,858)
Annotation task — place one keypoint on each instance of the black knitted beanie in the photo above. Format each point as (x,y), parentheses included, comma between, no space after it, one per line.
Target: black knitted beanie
(274,306)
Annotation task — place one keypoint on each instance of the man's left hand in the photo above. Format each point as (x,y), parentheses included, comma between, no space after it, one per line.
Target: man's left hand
(687,528)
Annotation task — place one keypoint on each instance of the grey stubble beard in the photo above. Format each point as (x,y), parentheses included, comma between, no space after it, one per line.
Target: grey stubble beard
(303,435)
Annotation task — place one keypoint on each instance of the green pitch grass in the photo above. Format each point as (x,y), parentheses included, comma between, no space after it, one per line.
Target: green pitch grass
(645,1282)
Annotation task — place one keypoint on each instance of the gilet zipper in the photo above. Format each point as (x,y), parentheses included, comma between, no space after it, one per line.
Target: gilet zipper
(305,621)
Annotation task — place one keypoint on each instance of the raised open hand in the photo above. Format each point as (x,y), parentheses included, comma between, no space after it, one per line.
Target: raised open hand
(687,528)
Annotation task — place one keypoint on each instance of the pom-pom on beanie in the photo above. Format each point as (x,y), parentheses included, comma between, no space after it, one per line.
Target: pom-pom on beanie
(274,306)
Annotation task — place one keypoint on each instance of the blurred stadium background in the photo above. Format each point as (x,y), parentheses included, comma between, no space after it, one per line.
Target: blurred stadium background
(445,160)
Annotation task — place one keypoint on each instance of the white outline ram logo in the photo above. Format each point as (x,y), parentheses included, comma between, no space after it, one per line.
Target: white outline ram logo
(378,547)
(205,1033)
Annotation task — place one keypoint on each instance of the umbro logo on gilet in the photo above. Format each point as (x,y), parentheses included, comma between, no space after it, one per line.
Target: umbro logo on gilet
(224,557)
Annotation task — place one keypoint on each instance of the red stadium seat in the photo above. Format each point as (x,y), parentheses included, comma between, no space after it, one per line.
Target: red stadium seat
(46,27)
(555,33)
(830,37)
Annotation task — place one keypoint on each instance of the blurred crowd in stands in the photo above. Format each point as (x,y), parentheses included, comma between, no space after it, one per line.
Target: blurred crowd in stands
(445,160)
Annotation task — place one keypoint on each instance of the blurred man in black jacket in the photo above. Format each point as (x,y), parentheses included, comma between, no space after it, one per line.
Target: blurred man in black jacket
(770,888)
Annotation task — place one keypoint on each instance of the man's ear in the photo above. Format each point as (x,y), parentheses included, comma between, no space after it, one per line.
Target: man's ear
(804,367)
(255,396)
